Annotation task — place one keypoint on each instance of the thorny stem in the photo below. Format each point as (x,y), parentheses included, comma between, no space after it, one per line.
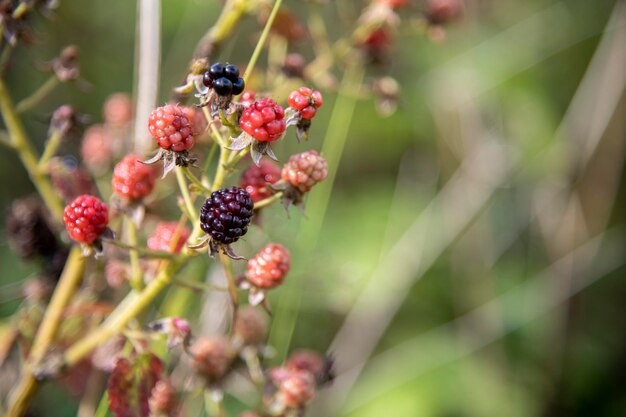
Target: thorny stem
(136,278)
(38,95)
(25,151)
(68,283)
(262,39)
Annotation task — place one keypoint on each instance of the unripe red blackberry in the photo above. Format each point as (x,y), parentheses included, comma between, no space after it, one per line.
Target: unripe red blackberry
(196,119)
(263,120)
(96,149)
(212,357)
(225,215)
(163,398)
(255,180)
(250,327)
(297,389)
(86,218)
(304,170)
(116,273)
(132,179)
(377,45)
(171,128)
(249,414)
(269,266)
(394,4)
(306,101)
(161,238)
(117,110)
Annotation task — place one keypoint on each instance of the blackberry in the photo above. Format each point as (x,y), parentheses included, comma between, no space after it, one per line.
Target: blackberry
(224,80)
(225,216)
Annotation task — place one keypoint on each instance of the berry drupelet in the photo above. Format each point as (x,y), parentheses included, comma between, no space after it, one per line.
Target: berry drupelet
(173,131)
(262,123)
(225,216)
(133,180)
(265,271)
(86,219)
(255,180)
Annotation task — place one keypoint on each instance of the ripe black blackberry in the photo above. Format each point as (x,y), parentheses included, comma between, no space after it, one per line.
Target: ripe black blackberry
(225,216)
(224,80)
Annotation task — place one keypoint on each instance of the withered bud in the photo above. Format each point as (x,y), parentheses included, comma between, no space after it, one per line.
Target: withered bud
(212,357)
(66,65)
(250,326)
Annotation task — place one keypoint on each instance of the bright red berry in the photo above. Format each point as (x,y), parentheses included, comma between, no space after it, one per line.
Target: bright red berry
(255,179)
(263,120)
(171,128)
(161,239)
(304,170)
(86,218)
(132,179)
(268,267)
(394,4)
(306,101)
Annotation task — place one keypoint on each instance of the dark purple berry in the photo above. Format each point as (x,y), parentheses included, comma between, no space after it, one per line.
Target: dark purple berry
(216,71)
(225,215)
(238,86)
(207,80)
(231,72)
(223,86)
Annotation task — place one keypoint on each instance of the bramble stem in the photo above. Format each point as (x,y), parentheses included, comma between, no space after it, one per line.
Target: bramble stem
(25,151)
(68,283)
(136,278)
(184,189)
(132,305)
(268,201)
(51,148)
(262,39)
(232,286)
(195,180)
(141,251)
(38,95)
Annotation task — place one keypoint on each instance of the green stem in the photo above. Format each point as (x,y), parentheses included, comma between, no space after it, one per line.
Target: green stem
(268,201)
(195,180)
(184,189)
(51,148)
(232,286)
(136,278)
(262,39)
(142,251)
(39,95)
(25,151)
(52,319)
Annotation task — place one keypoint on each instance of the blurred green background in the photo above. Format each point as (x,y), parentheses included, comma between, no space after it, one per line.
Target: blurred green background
(469,261)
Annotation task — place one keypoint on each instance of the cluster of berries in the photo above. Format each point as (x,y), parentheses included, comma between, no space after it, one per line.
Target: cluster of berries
(224,80)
